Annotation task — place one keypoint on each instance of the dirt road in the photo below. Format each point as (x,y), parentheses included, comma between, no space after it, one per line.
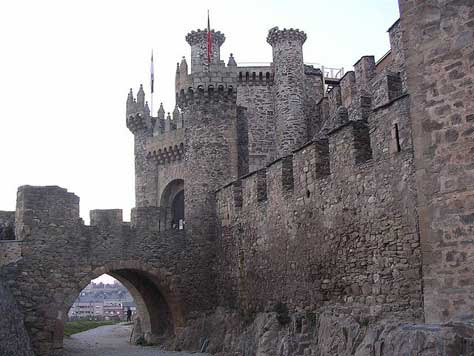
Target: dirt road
(111,340)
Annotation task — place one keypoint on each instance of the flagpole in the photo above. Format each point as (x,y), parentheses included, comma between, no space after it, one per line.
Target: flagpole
(152,83)
(151,105)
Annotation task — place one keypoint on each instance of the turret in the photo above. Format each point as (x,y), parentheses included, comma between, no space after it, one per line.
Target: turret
(160,121)
(176,77)
(137,113)
(231,62)
(183,69)
(168,123)
(141,97)
(287,46)
(198,42)
(177,117)
(181,74)
(147,109)
(130,103)
(161,112)
(140,124)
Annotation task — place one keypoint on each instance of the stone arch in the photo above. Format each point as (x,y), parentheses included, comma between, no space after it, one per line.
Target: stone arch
(157,302)
(172,204)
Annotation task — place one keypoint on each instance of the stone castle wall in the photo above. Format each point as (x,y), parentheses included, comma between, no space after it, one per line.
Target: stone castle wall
(335,221)
(348,205)
(167,273)
(257,97)
(438,40)
(307,235)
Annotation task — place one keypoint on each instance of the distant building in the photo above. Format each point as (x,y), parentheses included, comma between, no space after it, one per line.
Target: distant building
(98,301)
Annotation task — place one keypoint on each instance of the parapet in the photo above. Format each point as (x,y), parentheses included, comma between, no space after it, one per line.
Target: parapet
(275,35)
(49,205)
(196,37)
(364,72)
(136,123)
(207,95)
(147,218)
(137,113)
(163,153)
(254,76)
(346,149)
(106,218)
(7,225)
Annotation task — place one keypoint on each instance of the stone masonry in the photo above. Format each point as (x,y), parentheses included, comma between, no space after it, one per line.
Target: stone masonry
(280,210)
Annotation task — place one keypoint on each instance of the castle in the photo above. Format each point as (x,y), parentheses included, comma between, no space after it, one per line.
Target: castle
(335,202)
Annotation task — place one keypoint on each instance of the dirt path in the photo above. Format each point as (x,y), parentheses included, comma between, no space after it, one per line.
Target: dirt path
(111,340)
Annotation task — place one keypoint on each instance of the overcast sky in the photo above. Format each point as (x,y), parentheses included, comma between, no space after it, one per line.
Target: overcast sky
(66,67)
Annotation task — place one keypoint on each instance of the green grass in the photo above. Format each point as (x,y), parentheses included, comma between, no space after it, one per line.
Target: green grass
(77,326)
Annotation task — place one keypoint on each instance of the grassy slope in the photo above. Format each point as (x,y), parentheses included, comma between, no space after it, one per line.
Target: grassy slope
(77,326)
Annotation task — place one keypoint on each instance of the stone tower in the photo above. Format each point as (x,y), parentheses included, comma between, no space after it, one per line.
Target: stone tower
(198,42)
(139,122)
(287,48)
(210,151)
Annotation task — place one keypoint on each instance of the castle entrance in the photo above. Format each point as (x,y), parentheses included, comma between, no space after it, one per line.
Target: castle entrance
(55,256)
(172,200)
(152,319)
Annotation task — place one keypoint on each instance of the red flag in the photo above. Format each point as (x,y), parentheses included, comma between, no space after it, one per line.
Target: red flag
(209,39)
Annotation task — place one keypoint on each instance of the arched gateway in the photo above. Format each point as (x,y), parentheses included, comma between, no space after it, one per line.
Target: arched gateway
(55,256)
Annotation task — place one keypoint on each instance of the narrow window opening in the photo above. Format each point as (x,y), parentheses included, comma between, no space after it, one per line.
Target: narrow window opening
(397,137)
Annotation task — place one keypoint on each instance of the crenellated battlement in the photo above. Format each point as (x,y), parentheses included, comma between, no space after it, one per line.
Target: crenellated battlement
(218,76)
(345,150)
(138,116)
(275,35)
(136,123)
(201,60)
(207,94)
(200,36)
(255,76)
(162,153)
(106,219)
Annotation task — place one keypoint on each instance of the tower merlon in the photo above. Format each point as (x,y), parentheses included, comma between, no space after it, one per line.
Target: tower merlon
(199,36)
(46,206)
(106,218)
(276,35)
(205,94)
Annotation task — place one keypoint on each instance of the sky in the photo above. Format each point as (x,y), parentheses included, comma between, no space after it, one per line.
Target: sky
(66,67)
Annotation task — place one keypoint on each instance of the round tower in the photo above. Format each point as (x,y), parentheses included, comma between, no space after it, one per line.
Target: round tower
(287,46)
(210,152)
(198,42)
